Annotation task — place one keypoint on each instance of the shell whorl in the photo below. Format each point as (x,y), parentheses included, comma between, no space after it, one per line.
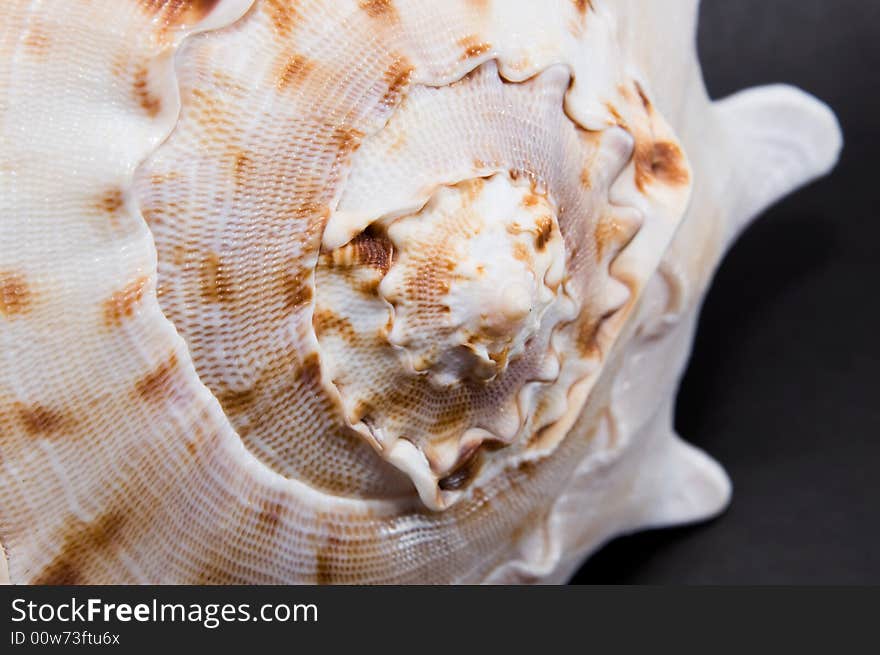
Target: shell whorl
(431,264)
(462,321)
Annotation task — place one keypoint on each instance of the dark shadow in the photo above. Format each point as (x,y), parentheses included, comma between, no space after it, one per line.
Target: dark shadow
(772,260)
(626,560)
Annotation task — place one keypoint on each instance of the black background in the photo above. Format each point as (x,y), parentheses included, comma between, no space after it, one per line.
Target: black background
(783,385)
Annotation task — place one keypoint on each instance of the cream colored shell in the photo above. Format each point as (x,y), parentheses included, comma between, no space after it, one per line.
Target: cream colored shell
(360,292)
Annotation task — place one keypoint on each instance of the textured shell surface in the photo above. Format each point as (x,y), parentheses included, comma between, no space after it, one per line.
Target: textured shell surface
(360,292)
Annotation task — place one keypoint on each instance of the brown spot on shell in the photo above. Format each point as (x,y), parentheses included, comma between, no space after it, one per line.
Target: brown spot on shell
(311,210)
(326,560)
(378,8)
(399,142)
(612,232)
(179,12)
(473,187)
(520,252)
(480,499)
(481,6)
(347,140)
(530,200)
(237,402)
(372,248)
(294,71)
(325,321)
(59,572)
(15,296)
(646,103)
(660,161)
(150,103)
(473,47)
(397,78)
(153,385)
(518,174)
(527,467)
(296,289)
(586,178)
(111,201)
(153,216)
(283,14)
(158,179)
(309,371)
(586,331)
(38,420)
(121,305)
(242,167)
(615,115)
(545,231)
(582,6)
(82,542)
(36,41)
(215,284)
(211,111)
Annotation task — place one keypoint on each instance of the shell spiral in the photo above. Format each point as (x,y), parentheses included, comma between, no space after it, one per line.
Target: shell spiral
(377,291)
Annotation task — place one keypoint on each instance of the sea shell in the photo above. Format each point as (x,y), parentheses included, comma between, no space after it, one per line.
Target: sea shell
(360,292)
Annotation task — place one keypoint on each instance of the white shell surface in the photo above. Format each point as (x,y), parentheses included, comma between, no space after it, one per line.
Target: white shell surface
(209,212)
